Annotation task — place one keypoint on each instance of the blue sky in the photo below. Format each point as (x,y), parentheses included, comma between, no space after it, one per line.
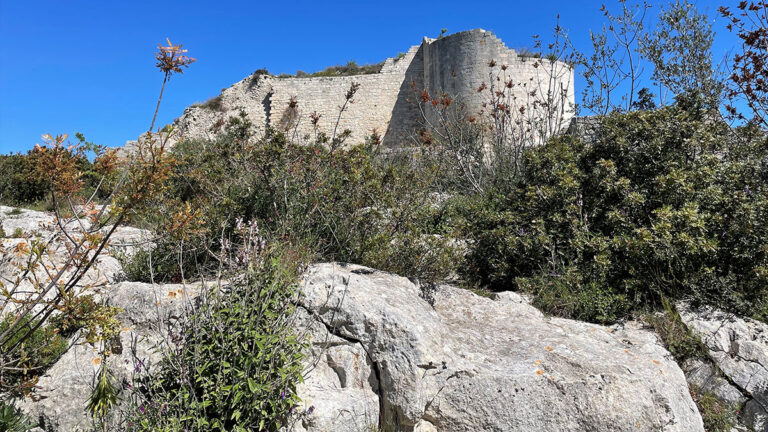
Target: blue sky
(88,66)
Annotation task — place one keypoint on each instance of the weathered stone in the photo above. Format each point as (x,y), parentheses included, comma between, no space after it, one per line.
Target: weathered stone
(739,347)
(472,363)
(40,227)
(385,102)
(62,393)
(705,376)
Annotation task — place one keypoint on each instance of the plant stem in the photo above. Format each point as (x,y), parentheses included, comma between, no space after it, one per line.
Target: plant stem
(157,108)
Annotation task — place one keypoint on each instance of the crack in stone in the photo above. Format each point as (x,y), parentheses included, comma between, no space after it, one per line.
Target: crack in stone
(374,365)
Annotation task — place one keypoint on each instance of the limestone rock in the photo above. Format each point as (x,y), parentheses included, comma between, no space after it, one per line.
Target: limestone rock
(472,363)
(62,392)
(739,347)
(24,228)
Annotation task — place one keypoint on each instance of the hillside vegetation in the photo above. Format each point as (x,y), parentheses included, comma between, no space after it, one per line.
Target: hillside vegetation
(655,204)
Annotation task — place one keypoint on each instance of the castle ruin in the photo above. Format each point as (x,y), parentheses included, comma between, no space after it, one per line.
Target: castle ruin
(460,65)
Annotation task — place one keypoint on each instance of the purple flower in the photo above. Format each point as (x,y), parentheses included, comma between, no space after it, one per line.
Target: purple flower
(142,409)
(282,395)
(311,410)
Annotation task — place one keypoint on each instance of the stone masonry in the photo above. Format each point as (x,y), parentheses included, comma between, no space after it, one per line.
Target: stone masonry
(388,102)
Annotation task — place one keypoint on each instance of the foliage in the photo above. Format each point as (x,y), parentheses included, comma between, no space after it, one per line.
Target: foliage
(18,184)
(680,49)
(748,81)
(39,350)
(614,61)
(351,68)
(718,416)
(48,292)
(666,203)
(104,395)
(237,360)
(24,183)
(13,419)
(213,104)
(344,204)
(681,342)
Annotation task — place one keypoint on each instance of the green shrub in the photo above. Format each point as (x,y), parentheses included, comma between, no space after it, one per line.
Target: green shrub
(215,103)
(718,416)
(40,350)
(237,362)
(23,183)
(665,203)
(351,68)
(349,205)
(681,342)
(19,183)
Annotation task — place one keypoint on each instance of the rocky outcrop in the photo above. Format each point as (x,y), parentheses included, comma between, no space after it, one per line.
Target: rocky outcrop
(148,311)
(384,356)
(23,228)
(739,349)
(466,362)
(387,354)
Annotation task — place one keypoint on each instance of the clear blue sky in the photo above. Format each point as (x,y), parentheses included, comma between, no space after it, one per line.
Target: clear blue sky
(87,66)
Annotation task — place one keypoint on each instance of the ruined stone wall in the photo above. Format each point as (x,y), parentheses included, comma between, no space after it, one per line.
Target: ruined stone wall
(371,108)
(386,102)
(460,64)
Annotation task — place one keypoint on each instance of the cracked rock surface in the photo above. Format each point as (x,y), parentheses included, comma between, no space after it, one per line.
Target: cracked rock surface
(386,357)
(62,393)
(739,347)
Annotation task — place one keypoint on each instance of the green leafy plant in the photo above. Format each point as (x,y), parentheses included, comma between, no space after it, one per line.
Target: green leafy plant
(13,420)
(663,203)
(237,360)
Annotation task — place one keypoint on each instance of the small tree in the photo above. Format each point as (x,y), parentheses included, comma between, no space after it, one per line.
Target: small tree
(680,49)
(615,60)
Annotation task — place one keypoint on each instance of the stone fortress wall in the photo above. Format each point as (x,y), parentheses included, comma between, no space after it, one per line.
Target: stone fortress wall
(386,101)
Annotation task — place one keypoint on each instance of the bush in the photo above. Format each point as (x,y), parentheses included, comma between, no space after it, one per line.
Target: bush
(19,183)
(215,103)
(718,416)
(351,68)
(237,361)
(665,203)
(23,184)
(349,205)
(37,352)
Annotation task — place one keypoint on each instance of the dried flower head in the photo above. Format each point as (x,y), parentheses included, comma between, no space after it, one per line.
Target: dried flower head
(172,58)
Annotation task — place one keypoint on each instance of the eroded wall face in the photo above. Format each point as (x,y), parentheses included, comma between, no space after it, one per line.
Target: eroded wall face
(473,65)
(388,102)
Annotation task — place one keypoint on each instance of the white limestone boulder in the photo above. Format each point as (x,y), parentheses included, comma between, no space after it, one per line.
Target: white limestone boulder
(472,363)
